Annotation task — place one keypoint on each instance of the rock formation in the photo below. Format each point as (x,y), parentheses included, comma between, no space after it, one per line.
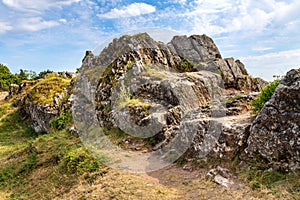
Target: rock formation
(42,100)
(275,132)
(173,92)
(183,95)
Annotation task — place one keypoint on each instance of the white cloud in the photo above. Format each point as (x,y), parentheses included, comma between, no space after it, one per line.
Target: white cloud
(4,27)
(271,64)
(261,48)
(179,1)
(64,21)
(36,24)
(226,16)
(131,10)
(37,6)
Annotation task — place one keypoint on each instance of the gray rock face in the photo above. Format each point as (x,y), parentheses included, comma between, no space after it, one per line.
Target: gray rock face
(275,133)
(196,48)
(173,92)
(40,115)
(235,75)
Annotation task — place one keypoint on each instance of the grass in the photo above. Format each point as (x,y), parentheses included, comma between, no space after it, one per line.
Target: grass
(58,166)
(233,98)
(282,185)
(45,89)
(33,164)
(153,72)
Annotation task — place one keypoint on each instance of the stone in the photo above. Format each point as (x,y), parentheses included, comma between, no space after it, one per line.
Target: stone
(220,176)
(275,132)
(13,89)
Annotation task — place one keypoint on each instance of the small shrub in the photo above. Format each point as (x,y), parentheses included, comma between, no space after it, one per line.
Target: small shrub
(152,141)
(61,122)
(186,66)
(221,73)
(266,94)
(78,160)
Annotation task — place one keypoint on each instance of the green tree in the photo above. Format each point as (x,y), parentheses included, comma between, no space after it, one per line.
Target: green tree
(6,77)
(42,74)
(22,75)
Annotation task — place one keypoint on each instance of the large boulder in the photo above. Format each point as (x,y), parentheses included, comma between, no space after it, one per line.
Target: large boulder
(275,133)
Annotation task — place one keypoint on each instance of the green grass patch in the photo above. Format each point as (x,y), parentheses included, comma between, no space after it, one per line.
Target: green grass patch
(259,178)
(233,98)
(78,160)
(40,166)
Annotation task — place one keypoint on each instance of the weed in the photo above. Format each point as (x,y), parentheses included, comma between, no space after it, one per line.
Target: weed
(221,73)
(233,98)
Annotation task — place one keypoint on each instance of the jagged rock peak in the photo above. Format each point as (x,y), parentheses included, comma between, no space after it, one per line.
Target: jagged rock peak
(196,48)
(199,50)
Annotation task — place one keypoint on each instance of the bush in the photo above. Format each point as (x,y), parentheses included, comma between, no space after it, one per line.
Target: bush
(61,122)
(266,94)
(186,66)
(78,160)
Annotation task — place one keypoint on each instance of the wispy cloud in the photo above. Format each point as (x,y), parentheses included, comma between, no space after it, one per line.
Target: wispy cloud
(37,6)
(258,48)
(132,10)
(225,16)
(4,27)
(179,1)
(36,24)
(270,64)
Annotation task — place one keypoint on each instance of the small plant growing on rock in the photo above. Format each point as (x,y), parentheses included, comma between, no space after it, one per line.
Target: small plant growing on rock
(186,66)
(61,122)
(266,94)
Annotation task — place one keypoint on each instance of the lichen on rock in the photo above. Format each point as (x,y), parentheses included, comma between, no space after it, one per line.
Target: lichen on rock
(275,132)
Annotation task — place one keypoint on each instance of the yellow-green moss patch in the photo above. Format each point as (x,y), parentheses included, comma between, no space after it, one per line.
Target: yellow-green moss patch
(45,89)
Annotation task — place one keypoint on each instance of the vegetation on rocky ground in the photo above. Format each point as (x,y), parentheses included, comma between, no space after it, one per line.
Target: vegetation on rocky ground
(58,166)
(265,96)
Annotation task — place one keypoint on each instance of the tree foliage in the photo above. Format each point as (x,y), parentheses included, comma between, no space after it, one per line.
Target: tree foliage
(42,74)
(6,77)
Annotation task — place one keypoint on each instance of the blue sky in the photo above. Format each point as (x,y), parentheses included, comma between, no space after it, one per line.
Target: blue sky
(54,34)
